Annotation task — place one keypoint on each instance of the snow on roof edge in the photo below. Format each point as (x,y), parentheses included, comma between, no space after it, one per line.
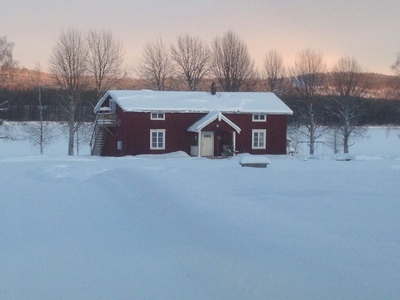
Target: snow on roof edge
(196,102)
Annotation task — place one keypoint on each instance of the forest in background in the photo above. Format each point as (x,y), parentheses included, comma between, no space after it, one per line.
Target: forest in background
(19,98)
(83,66)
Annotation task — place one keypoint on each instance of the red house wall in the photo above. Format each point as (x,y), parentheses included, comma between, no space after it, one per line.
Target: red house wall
(133,129)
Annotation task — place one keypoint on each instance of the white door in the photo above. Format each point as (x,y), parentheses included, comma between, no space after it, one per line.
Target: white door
(207,143)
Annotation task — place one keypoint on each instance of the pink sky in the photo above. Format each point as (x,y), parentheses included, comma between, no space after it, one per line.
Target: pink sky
(368,30)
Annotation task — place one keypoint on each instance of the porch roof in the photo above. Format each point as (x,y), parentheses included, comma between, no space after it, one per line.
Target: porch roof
(209,118)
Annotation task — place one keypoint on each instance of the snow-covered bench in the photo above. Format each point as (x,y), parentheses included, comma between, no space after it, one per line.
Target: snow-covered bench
(255,161)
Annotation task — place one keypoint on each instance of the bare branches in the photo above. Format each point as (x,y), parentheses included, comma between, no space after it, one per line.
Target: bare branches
(105,60)
(39,134)
(347,78)
(7,63)
(274,70)
(68,64)
(232,65)
(308,79)
(192,58)
(308,73)
(347,88)
(6,49)
(155,64)
(396,65)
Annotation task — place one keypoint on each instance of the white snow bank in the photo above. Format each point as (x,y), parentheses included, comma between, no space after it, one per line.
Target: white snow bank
(177,154)
(194,228)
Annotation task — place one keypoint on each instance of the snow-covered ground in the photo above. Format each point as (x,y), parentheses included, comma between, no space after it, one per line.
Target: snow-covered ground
(176,227)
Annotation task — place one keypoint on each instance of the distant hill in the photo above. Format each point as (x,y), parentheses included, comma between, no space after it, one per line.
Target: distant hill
(380,85)
(21,78)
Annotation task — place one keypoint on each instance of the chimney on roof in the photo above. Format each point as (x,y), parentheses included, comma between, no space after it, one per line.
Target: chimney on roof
(213,88)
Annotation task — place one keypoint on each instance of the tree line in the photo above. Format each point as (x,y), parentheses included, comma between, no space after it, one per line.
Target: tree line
(84,66)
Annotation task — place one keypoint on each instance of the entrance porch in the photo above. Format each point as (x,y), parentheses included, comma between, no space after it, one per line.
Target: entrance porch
(216,142)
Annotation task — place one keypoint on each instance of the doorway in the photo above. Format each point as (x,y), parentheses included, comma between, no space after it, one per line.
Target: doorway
(207,143)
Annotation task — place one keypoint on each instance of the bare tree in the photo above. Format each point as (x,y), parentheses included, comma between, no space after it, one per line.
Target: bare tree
(155,64)
(333,139)
(308,81)
(192,58)
(231,62)
(37,132)
(309,73)
(68,65)
(6,132)
(347,86)
(396,65)
(105,60)
(7,63)
(274,70)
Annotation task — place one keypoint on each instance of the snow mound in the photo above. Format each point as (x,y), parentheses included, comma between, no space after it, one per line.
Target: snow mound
(248,160)
(177,154)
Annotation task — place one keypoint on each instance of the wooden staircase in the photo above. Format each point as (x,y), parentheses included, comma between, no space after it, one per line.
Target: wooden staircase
(98,143)
(100,132)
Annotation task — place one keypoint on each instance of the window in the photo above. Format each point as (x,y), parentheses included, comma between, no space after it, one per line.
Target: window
(157,139)
(157,116)
(259,139)
(112,106)
(259,118)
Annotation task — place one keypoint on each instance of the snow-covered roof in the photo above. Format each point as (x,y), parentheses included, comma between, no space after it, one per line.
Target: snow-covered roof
(173,101)
(210,117)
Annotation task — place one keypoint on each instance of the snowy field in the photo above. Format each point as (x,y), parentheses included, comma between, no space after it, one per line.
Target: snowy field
(176,227)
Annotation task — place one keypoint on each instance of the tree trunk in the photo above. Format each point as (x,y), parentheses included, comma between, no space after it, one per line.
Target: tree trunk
(346,142)
(71,125)
(312,145)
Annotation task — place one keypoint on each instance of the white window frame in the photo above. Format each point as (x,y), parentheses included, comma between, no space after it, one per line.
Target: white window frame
(157,147)
(157,116)
(259,145)
(112,105)
(257,118)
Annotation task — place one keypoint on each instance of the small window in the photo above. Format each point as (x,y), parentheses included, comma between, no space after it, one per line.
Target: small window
(157,116)
(259,118)
(259,139)
(157,139)
(112,106)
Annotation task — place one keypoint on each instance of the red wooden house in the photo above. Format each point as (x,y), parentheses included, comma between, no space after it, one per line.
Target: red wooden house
(132,122)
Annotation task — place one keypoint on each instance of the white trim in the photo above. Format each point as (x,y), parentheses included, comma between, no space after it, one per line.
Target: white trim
(158,116)
(260,144)
(157,147)
(257,118)
(199,143)
(112,105)
(234,142)
(209,118)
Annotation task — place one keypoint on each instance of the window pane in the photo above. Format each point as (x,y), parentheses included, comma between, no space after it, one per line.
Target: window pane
(160,139)
(262,138)
(154,139)
(255,144)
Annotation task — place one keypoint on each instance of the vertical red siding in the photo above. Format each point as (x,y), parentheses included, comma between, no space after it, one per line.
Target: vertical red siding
(133,129)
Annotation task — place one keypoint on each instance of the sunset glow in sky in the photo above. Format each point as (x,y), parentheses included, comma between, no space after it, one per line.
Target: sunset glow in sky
(368,30)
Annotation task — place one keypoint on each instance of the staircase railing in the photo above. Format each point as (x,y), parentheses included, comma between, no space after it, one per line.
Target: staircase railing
(94,134)
(104,120)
